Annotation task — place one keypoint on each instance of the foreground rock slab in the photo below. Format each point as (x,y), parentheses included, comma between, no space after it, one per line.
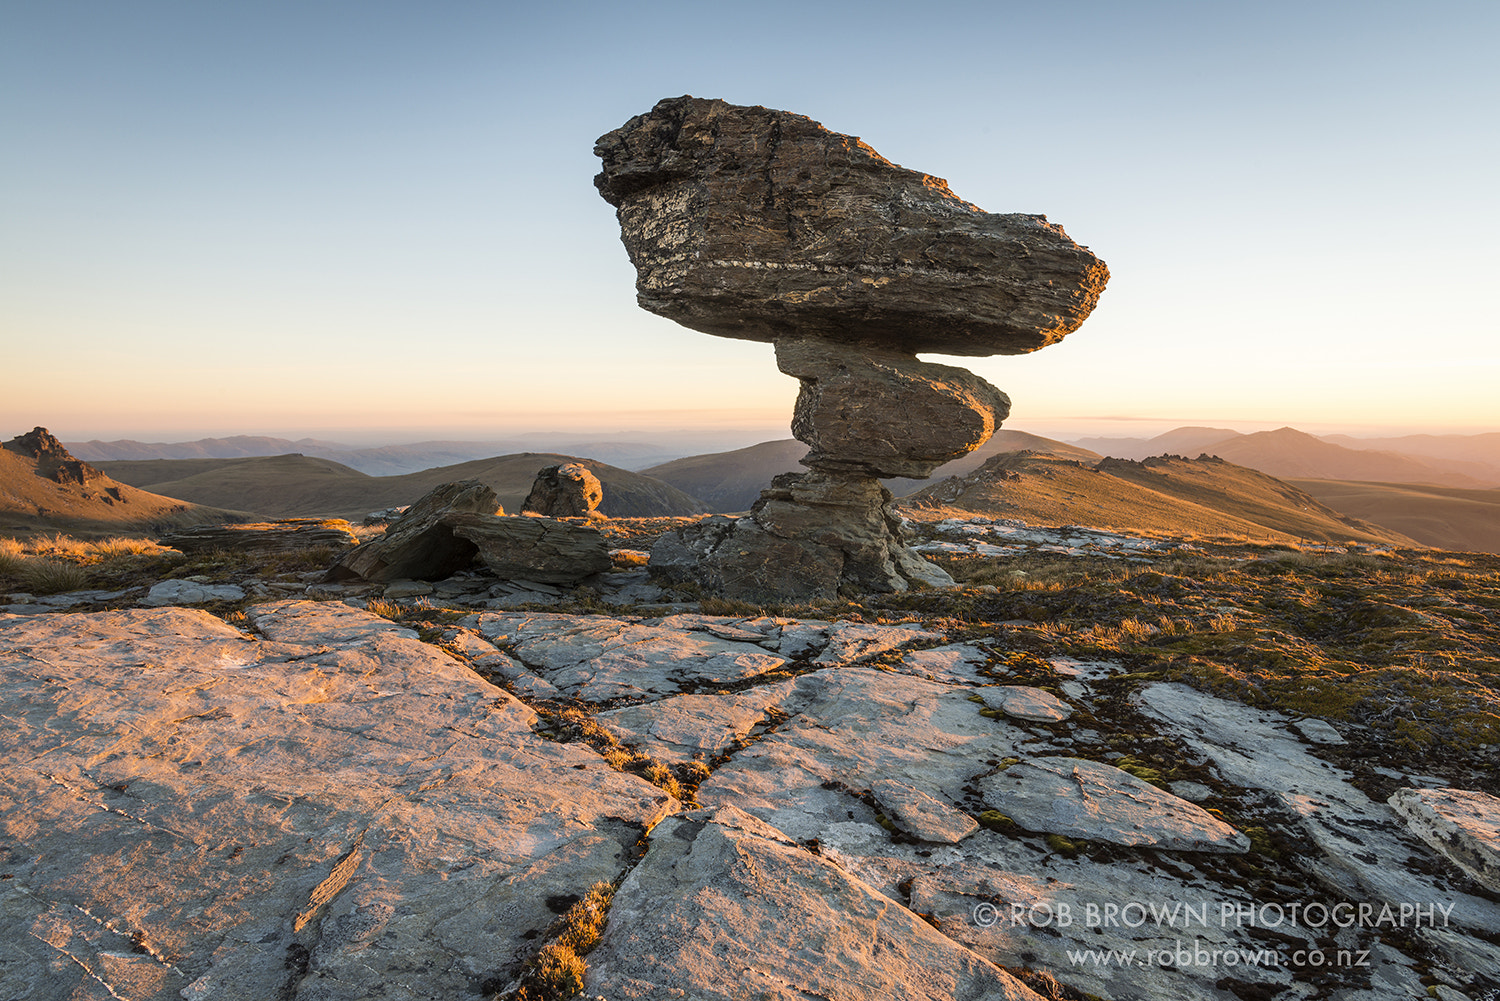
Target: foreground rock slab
(727,907)
(189,811)
(286,535)
(1463,825)
(1099,802)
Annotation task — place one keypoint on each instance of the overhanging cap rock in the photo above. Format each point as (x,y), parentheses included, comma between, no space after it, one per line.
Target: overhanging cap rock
(760,224)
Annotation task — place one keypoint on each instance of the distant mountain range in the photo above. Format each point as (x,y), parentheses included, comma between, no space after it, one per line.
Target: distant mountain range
(1471,461)
(383,460)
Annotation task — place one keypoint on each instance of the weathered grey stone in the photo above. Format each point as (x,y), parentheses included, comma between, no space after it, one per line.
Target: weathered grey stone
(1098,802)
(922,816)
(190,812)
(1461,824)
(1025,702)
(538,549)
(419,545)
(597,658)
(957,662)
(725,907)
(1361,844)
(874,412)
(687,727)
(407,589)
(848,729)
(809,536)
(286,535)
(569,490)
(1319,731)
(187,592)
(761,224)
(850,642)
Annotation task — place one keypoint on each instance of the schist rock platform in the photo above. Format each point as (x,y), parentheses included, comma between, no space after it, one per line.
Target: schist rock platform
(760,224)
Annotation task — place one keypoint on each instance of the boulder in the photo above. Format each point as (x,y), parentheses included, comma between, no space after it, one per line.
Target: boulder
(761,224)
(569,490)
(284,536)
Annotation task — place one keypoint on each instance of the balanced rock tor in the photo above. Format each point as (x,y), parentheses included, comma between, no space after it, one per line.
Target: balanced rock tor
(761,224)
(570,490)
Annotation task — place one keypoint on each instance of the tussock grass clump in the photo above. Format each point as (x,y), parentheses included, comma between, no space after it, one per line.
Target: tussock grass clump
(556,973)
(44,576)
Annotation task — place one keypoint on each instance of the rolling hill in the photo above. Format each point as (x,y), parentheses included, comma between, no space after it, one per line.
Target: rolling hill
(299,486)
(1443,517)
(1291,454)
(1178,441)
(732,481)
(43,488)
(1202,497)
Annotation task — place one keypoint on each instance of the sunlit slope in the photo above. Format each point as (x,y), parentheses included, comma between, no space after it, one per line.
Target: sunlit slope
(31,503)
(1202,497)
(732,481)
(1291,454)
(298,486)
(1443,517)
(1000,442)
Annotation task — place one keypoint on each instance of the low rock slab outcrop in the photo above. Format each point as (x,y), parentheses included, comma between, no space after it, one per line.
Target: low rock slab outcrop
(335,810)
(754,223)
(458,525)
(284,536)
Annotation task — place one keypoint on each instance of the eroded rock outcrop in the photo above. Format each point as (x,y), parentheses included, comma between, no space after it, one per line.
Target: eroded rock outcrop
(760,224)
(459,525)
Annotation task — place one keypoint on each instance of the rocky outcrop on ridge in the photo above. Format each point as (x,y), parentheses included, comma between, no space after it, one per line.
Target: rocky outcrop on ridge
(53,460)
(459,525)
(569,490)
(760,224)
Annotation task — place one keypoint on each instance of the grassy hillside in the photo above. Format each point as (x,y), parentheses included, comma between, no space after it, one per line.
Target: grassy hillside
(1442,517)
(298,486)
(1201,497)
(732,481)
(32,504)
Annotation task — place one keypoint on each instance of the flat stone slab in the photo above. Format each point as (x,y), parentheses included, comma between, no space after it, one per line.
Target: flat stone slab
(1086,799)
(852,642)
(954,662)
(849,728)
(725,907)
(1463,825)
(187,592)
(188,811)
(597,658)
(922,816)
(684,727)
(1025,702)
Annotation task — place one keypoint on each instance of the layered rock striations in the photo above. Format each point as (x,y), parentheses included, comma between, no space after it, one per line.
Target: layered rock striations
(760,224)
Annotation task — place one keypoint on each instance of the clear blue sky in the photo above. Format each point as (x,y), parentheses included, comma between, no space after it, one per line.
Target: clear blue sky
(318,217)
